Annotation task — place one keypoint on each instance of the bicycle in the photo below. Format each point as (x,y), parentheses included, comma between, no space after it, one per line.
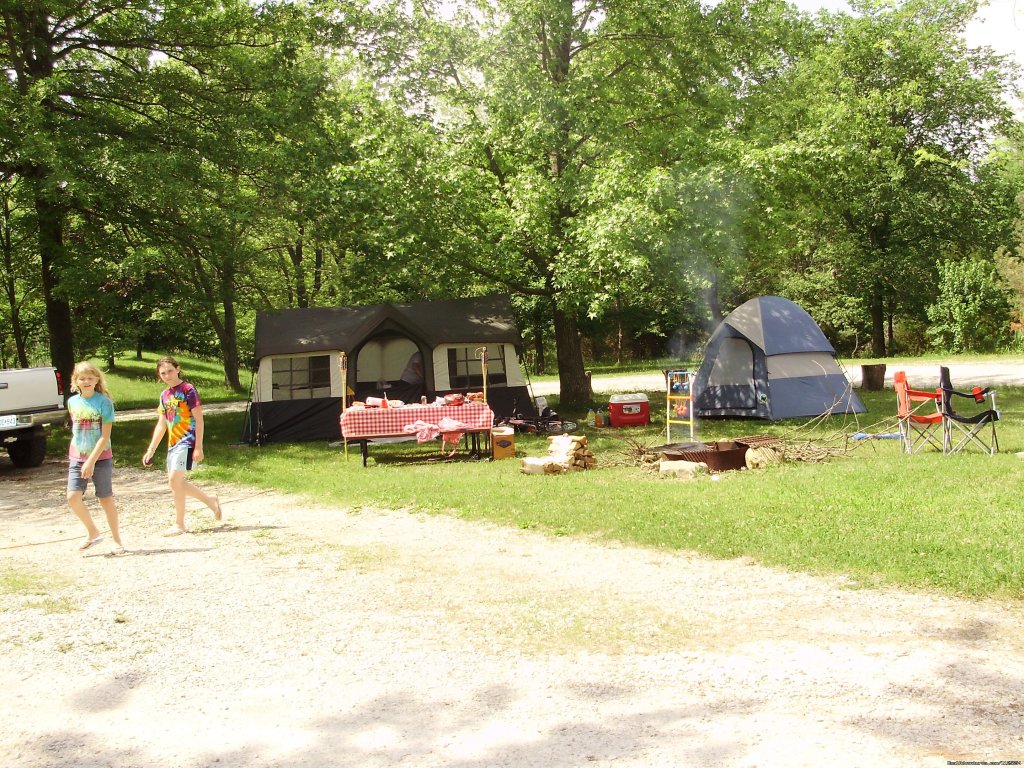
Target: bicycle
(546,422)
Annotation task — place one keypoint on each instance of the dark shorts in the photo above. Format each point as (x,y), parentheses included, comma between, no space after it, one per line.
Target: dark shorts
(102,478)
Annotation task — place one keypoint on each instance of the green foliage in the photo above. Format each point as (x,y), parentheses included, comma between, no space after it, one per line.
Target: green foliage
(841,317)
(972,310)
(578,151)
(22,312)
(911,336)
(870,147)
(628,170)
(1008,166)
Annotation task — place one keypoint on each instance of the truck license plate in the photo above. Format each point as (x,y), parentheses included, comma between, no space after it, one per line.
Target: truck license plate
(8,421)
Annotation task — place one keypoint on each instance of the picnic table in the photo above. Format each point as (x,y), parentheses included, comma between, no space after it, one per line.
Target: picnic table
(417,422)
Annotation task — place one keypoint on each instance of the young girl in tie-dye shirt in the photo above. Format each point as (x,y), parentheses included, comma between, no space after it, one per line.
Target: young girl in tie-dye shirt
(181,417)
(90,456)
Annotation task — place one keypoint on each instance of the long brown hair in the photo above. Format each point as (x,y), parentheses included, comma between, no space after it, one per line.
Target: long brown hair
(168,360)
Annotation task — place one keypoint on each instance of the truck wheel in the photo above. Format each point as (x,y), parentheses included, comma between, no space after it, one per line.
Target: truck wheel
(28,452)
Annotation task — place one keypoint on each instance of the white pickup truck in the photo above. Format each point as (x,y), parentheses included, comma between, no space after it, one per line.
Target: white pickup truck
(30,399)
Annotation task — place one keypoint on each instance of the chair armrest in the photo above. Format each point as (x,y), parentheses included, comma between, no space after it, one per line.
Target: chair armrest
(978,394)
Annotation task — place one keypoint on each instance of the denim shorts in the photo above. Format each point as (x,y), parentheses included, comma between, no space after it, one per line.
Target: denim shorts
(102,478)
(179,458)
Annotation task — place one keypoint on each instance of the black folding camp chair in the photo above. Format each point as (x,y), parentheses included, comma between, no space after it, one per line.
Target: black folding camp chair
(960,431)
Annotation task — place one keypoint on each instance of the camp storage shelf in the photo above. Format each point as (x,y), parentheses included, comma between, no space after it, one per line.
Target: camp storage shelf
(678,402)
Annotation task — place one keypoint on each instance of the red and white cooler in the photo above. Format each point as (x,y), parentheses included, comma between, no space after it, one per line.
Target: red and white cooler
(629,410)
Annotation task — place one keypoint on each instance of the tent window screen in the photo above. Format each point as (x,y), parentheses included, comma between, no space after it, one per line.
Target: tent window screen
(464,370)
(734,364)
(301,378)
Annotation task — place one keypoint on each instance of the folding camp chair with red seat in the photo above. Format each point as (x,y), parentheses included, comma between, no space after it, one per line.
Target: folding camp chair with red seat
(920,419)
(960,431)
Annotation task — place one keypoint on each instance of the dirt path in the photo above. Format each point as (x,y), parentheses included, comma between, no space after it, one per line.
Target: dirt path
(296,635)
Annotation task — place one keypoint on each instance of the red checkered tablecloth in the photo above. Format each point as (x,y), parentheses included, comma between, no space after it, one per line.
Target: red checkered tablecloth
(360,423)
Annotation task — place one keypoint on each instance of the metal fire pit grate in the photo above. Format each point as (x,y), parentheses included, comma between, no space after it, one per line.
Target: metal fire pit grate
(721,456)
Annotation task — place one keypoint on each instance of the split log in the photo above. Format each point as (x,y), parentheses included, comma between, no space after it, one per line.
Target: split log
(565,453)
(755,458)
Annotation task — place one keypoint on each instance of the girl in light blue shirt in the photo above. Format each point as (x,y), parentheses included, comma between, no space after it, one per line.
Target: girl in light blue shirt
(90,456)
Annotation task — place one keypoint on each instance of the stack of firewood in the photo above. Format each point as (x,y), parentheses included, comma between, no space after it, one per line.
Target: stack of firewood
(566,453)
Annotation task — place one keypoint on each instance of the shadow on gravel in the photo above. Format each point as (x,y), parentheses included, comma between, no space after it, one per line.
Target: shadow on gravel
(403,729)
(164,551)
(228,528)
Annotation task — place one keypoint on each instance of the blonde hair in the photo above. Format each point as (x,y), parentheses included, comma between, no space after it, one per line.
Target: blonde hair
(85,368)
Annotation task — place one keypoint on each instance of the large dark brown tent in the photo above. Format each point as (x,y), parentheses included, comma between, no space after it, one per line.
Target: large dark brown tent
(297,387)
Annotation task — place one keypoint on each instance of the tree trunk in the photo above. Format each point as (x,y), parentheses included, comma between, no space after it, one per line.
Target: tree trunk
(229,346)
(573,382)
(223,294)
(618,330)
(538,348)
(29,41)
(878,238)
(227,330)
(574,386)
(713,302)
(296,252)
(318,271)
(58,311)
(877,322)
(11,288)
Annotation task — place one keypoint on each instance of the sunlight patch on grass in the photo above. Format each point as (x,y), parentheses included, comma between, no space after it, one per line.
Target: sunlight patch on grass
(134,382)
(35,591)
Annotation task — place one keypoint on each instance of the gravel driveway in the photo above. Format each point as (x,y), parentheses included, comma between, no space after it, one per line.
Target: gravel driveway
(300,635)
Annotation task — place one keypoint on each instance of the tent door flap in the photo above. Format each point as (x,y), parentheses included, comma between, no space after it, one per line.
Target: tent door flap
(742,396)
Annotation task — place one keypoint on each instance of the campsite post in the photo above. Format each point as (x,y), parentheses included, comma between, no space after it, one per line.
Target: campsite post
(482,354)
(343,365)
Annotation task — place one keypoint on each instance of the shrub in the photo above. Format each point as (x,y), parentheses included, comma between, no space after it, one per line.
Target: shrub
(972,310)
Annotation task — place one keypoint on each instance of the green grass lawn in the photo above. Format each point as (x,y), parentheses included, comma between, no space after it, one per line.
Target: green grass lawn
(134,383)
(931,522)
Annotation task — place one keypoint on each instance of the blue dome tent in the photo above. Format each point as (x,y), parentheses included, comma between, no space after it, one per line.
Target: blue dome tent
(768,359)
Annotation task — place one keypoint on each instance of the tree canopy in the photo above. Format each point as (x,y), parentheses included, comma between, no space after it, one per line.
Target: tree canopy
(627,170)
